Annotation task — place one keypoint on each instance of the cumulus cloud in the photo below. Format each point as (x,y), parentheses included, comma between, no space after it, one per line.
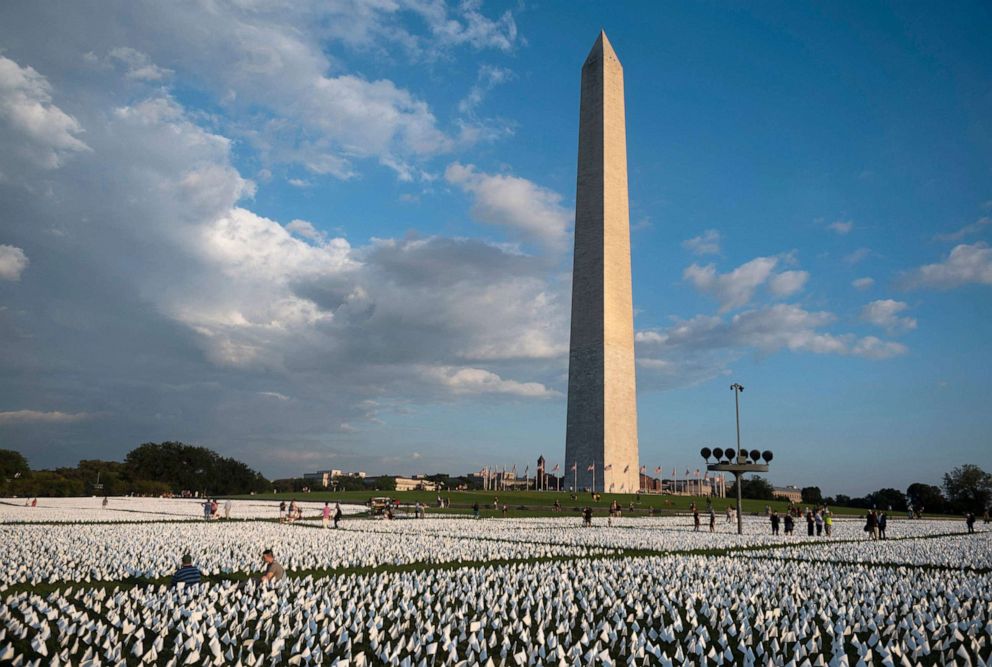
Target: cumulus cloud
(525,208)
(884,313)
(736,288)
(862,283)
(275,71)
(704,346)
(198,314)
(968,230)
(13,261)
(306,230)
(40,417)
(480,381)
(707,243)
(841,227)
(787,283)
(966,264)
(32,128)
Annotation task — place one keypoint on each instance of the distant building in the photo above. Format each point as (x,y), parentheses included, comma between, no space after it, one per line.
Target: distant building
(791,493)
(323,478)
(650,484)
(415,483)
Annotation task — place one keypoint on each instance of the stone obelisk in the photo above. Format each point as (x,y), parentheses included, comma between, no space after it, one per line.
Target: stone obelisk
(602,396)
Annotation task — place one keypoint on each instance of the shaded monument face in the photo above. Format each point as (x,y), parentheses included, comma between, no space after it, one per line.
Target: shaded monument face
(602,405)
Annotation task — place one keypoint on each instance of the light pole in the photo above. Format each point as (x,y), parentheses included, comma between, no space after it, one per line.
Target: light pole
(738,461)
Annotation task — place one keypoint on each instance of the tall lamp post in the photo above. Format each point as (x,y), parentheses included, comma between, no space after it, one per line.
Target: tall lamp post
(737,461)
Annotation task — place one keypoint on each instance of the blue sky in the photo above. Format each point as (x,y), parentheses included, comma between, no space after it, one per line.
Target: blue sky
(315,235)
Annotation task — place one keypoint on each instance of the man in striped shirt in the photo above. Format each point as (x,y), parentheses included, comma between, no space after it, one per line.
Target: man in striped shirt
(187,574)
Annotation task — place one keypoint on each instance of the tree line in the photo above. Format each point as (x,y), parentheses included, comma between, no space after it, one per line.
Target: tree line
(966,488)
(149,469)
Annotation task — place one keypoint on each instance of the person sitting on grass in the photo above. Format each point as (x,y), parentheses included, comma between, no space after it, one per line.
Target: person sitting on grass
(187,573)
(273,570)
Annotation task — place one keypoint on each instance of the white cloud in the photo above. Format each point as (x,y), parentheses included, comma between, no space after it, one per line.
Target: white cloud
(857,256)
(704,346)
(707,243)
(480,381)
(488,78)
(787,283)
(885,313)
(306,230)
(976,227)
(139,66)
(31,127)
(469,26)
(524,207)
(862,283)
(736,288)
(966,264)
(13,261)
(871,347)
(842,227)
(39,417)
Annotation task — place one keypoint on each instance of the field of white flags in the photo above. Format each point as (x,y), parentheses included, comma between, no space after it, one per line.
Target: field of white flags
(459,591)
(121,509)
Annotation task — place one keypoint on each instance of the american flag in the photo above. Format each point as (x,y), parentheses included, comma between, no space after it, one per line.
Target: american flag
(644,469)
(591,467)
(555,469)
(609,467)
(657,470)
(575,467)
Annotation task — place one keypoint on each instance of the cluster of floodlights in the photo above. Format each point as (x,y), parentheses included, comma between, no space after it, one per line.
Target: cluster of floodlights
(730,456)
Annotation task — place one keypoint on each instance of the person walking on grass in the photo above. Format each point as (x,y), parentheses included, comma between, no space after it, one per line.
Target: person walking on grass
(712,520)
(325,515)
(970,521)
(883,521)
(695,520)
(818,517)
(337,514)
(475,510)
(775,522)
(828,522)
(809,522)
(227,508)
(282,511)
(789,523)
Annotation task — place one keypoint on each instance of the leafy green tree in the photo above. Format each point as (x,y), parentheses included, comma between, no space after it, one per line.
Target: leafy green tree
(185,467)
(13,464)
(811,495)
(349,483)
(926,497)
(969,488)
(384,483)
(884,499)
(756,488)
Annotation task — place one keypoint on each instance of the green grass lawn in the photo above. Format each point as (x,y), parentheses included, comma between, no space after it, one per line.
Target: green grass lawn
(540,503)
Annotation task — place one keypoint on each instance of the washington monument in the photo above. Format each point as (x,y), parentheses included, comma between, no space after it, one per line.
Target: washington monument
(602,395)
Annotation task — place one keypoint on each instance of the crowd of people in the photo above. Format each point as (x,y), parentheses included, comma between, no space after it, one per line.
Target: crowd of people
(819,521)
(211,509)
